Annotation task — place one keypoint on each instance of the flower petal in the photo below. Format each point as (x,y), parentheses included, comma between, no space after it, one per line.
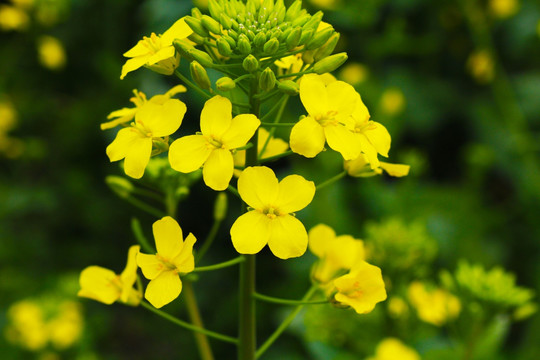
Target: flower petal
(369,150)
(288,237)
(97,283)
(168,236)
(132,65)
(313,95)
(162,120)
(342,140)
(379,137)
(185,262)
(188,153)
(218,169)
(150,265)
(216,116)
(250,232)
(121,144)
(397,170)
(163,289)
(320,237)
(129,275)
(242,128)
(307,137)
(258,186)
(342,98)
(138,50)
(138,157)
(178,30)
(164,53)
(295,193)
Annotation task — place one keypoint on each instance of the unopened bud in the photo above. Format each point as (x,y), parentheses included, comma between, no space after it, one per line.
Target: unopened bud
(120,186)
(293,10)
(183,48)
(220,207)
(284,34)
(327,48)
(225,21)
(199,75)
(301,20)
(271,46)
(230,40)
(196,38)
(330,63)
(196,25)
(243,45)
(288,87)
(267,80)
(306,36)
(223,47)
(314,21)
(307,57)
(225,84)
(203,58)
(320,38)
(294,38)
(250,63)
(211,24)
(260,40)
(214,8)
(196,13)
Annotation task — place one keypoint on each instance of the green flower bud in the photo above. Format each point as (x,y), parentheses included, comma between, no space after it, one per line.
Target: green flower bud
(327,48)
(294,10)
(271,46)
(307,57)
(250,35)
(301,20)
(196,13)
(197,39)
(314,21)
(223,47)
(230,10)
(211,24)
(320,38)
(288,87)
(225,21)
(267,80)
(243,45)
(280,10)
(284,34)
(231,41)
(220,207)
(330,63)
(225,84)
(260,40)
(183,49)
(232,33)
(294,38)
(199,75)
(120,186)
(268,5)
(306,36)
(250,64)
(203,58)
(196,25)
(215,8)
(182,192)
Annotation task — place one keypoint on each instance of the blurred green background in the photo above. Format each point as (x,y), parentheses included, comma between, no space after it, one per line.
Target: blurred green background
(457,84)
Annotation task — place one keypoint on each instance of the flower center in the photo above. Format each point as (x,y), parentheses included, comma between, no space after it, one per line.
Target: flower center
(139,127)
(271,212)
(354,291)
(215,143)
(362,127)
(327,119)
(153,43)
(165,263)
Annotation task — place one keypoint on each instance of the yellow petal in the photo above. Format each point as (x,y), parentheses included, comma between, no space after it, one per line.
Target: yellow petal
(179,30)
(138,157)
(361,113)
(175,90)
(185,261)
(218,169)
(97,283)
(164,53)
(295,193)
(162,120)
(397,170)
(320,237)
(163,289)
(275,146)
(369,150)
(250,232)
(121,144)
(313,95)
(342,140)
(342,98)
(288,237)
(150,265)
(216,116)
(168,236)
(346,251)
(242,128)
(129,275)
(379,137)
(140,49)
(258,186)
(307,137)
(124,112)
(188,153)
(132,65)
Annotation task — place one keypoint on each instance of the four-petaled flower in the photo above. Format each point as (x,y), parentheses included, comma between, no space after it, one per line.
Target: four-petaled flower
(270,220)
(361,288)
(360,167)
(157,51)
(174,257)
(221,134)
(105,286)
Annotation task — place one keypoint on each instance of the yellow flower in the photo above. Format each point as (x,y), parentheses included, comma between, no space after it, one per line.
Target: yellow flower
(27,325)
(270,221)
(481,66)
(392,101)
(435,306)
(334,252)
(394,349)
(105,286)
(221,134)
(291,64)
(326,4)
(330,107)
(397,307)
(51,53)
(66,328)
(174,257)
(503,8)
(354,73)
(13,18)
(8,116)
(361,288)
(360,167)
(157,51)
(125,115)
(152,122)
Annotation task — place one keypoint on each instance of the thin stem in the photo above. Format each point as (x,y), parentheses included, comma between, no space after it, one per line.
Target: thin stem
(331,180)
(281,301)
(144,206)
(277,106)
(245,147)
(191,85)
(147,193)
(194,315)
(285,323)
(208,241)
(278,124)
(233,190)
(278,156)
(281,109)
(221,265)
(139,235)
(188,326)
(298,74)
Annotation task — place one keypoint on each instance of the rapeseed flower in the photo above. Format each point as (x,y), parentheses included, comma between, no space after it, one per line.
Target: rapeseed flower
(152,122)
(105,286)
(13,18)
(330,107)
(361,167)
(174,257)
(157,51)
(361,288)
(51,53)
(270,220)
(392,349)
(221,134)
(434,306)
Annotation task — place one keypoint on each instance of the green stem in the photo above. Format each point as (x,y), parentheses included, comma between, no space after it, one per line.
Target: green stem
(278,156)
(194,315)
(191,85)
(282,104)
(285,323)
(233,190)
(278,124)
(298,74)
(331,180)
(245,147)
(139,235)
(208,241)
(147,193)
(281,301)
(188,326)
(221,265)
(145,207)
(277,106)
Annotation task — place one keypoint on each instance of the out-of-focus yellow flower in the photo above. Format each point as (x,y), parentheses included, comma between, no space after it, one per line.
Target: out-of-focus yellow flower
(330,108)
(103,285)
(66,328)
(538,28)
(23,4)
(8,116)
(435,306)
(397,307)
(221,134)
(274,147)
(503,8)
(290,64)
(51,53)
(174,257)
(13,18)
(354,73)
(271,221)
(360,167)
(394,349)
(481,66)
(201,4)
(334,252)
(27,325)
(326,4)
(362,288)
(392,101)
(157,51)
